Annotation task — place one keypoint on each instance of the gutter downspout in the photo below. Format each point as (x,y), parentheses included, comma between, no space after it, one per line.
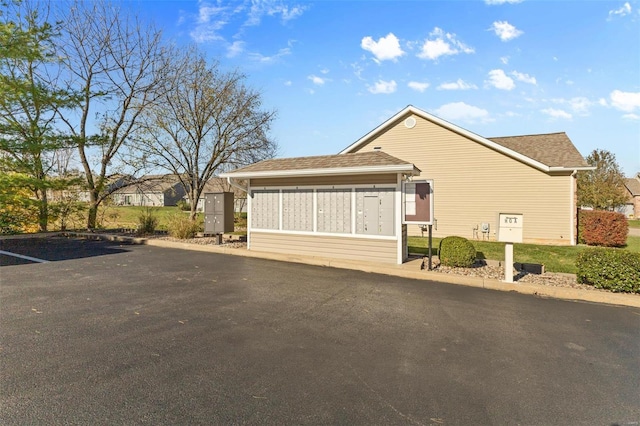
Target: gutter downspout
(235,185)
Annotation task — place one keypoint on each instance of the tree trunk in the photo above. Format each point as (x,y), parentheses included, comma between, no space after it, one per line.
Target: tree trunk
(93,210)
(43,213)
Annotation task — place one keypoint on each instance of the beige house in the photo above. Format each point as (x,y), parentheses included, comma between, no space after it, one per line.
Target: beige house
(476,178)
(632,207)
(338,206)
(150,190)
(218,184)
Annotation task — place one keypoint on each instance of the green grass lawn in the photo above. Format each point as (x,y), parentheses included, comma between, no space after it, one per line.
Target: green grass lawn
(554,258)
(112,217)
(634,223)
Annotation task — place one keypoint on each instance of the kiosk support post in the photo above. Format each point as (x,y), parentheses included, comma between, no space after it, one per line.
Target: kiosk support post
(430,244)
(508,262)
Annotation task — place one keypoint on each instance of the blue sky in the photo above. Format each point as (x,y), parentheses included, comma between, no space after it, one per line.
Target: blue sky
(334,70)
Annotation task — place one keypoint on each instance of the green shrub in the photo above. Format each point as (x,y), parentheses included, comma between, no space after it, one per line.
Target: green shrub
(602,228)
(180,226)
(147,221)
(457,252)
(183,205)
(611,269)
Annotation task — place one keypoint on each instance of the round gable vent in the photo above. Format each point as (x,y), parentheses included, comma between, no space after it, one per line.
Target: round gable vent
(410,123)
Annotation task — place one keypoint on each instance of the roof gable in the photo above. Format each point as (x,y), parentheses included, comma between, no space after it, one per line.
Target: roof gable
(633,185)
(556,151)
(552,149)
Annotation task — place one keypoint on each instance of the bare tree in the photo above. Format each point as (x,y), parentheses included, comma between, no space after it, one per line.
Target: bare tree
(204,119)
(113,60)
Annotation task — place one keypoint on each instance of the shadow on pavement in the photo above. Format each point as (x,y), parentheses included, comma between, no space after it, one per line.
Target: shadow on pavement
(56,248)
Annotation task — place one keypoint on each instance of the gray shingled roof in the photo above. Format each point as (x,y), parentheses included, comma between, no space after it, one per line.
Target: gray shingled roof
(323,162)
(552,149)
(633,185)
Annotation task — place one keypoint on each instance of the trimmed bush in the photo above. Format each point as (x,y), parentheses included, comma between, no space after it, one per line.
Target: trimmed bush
(457,252)
(603,228)
(611,269)
(180,226)
(147,221)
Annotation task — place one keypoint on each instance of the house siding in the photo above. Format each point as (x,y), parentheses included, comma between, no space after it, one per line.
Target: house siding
(361,249)
(473,183)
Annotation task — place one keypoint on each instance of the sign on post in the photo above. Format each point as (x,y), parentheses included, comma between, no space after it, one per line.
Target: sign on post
(510,226)
(417,202)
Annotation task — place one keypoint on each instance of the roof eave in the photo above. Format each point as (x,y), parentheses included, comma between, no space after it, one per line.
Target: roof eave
(400,168)
(571,169)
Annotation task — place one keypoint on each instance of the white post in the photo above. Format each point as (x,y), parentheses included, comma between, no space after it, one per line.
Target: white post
(508,262)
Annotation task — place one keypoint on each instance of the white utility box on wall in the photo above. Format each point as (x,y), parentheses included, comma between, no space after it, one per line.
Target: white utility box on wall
(510,227)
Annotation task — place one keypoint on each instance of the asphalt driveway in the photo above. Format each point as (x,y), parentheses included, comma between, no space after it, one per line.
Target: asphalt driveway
(106,333)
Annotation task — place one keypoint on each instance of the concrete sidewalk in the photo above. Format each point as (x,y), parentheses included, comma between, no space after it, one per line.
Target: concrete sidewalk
(410,269)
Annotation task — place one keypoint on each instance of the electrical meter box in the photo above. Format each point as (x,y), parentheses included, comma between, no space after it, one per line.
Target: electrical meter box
(218,212)
(510,227)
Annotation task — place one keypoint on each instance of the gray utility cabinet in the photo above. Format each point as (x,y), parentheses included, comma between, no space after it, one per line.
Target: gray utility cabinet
(218,212)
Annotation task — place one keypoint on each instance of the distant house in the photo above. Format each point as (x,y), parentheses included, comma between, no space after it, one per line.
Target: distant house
(151,190)
(632,207)
(221,185)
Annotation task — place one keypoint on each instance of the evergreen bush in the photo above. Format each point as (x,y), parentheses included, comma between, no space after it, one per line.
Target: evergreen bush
(457,252)
(612,269)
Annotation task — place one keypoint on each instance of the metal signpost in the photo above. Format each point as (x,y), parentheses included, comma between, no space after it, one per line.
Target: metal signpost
(417,206)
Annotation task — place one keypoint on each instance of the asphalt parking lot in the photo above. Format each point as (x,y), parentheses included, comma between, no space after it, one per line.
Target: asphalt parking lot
(110,333)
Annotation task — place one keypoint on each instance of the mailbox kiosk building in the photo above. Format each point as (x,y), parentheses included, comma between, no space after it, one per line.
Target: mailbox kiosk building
(338,206)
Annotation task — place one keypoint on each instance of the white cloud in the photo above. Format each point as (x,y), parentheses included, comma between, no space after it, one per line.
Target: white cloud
(457,85)
(258,57)
(318,81)
(505,30)
(632,117)
(263,8)
(441,44)
(384,87)
(235,49)
(579,105)
(625,101)
(418,86)
(459,111)
(499,80)
(498,2)
(504,60)
(557,113)
(624,10)
(206,11)
(525,78)
(386,48)
(288,83)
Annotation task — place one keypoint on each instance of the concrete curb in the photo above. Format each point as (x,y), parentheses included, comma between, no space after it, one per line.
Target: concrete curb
(404,271)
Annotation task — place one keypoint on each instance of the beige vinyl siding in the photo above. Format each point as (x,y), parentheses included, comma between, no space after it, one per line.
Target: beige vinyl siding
(372,250)
(372,179)
(473,183)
